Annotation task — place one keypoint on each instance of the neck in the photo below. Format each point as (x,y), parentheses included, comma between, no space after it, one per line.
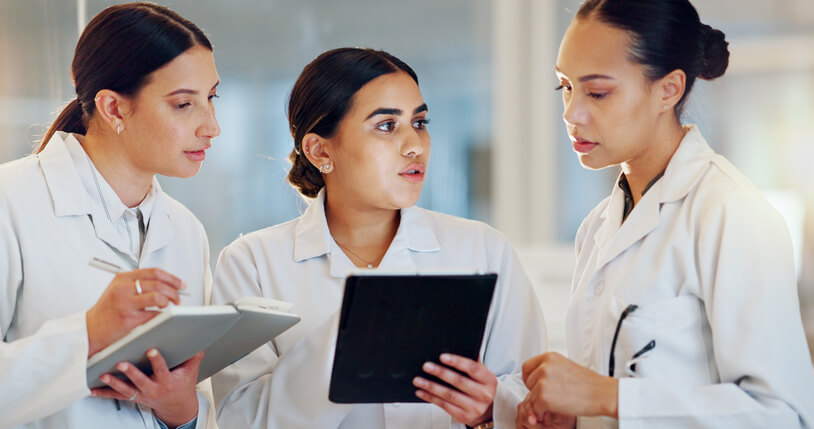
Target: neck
(641,170)
(366,232)
(130,184)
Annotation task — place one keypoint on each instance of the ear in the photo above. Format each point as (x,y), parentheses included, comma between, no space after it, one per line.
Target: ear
(317,150)
(670,89)
(111,108)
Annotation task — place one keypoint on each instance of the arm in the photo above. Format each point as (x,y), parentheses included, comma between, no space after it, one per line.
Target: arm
(44,372)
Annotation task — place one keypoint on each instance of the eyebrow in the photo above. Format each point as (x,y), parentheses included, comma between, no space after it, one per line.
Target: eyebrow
(189,91)
(396,112)
(586,78)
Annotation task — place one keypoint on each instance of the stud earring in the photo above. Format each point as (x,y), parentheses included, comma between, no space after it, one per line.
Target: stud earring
(325,168)
(664,107)
(307,150)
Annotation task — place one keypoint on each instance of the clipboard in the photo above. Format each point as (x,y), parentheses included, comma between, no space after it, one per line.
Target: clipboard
(390,324)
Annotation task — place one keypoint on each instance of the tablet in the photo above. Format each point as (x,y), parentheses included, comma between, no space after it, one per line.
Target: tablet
(390,325)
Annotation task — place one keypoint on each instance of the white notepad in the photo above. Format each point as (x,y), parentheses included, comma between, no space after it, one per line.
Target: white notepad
(226,332)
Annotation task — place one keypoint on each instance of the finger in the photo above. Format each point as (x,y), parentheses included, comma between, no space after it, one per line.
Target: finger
(474,369)
(161,288)
(463,383)
(160,370)
(531,364)
(124,388)
(151,299)
(446,394)
(192,364)
(156,274)
(139,380)
(453,410)
(107,392)
(536,376)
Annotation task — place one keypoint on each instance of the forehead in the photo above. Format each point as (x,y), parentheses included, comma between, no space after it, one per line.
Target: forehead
(192,69)
(397,90)
(593,47)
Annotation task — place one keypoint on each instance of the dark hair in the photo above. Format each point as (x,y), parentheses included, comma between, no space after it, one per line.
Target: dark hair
(321,97)
(118,50)
(666,35)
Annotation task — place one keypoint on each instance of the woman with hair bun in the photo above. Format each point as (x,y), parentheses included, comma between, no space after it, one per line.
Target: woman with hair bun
(684,308)
(361,152)
(145,80)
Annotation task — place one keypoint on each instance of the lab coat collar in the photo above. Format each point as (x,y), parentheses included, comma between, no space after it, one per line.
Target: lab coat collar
(313,239)
(682,173)
(62,178)
(71,197)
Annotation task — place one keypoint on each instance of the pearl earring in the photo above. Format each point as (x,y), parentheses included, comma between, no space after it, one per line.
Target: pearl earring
(325,168)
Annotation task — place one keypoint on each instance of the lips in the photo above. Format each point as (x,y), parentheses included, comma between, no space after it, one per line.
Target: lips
(414,172)
(582,145)
(197,155)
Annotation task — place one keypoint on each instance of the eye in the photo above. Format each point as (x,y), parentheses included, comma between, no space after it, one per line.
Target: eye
(597,95)
(213,96)
(183,106)
(563,87)
(421,124)
(386,126)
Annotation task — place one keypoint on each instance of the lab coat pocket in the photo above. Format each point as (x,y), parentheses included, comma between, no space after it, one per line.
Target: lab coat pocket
(679,328)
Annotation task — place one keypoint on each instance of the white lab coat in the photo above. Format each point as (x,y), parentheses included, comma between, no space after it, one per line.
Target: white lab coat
(284,384)
(709,263)
(50,227)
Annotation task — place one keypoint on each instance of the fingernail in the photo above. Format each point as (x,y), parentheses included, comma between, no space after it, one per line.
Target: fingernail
(105,379)
(121,366)
(152,353)
(418,381)
(429,366)
(446,358)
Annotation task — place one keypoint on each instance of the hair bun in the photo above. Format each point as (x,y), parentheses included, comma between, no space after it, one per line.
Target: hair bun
(716,53)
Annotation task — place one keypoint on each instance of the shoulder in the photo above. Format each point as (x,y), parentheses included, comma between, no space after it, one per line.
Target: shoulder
(276,237)
(182,217)
(457,228)
(19,174)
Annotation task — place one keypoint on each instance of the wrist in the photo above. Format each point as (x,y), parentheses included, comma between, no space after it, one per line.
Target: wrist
(178,416)
(93,345)
(609,400)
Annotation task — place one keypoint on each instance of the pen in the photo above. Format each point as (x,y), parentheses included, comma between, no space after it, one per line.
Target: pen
(115,269)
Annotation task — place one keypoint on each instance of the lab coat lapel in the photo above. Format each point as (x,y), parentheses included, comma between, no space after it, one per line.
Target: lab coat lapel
(642,220)
(683,172)
(68,193)
(159,230)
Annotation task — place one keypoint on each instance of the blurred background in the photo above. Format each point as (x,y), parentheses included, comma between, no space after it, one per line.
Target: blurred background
(500,153)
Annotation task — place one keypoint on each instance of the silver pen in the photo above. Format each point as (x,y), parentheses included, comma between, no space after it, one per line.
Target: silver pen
(115,269)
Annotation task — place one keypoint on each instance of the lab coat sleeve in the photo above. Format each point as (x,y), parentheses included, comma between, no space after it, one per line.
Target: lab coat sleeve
(264,390)
(517,332)
(44,372)
(748,285)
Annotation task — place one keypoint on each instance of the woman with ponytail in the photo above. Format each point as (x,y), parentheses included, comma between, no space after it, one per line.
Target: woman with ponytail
(145,79)
(684,309)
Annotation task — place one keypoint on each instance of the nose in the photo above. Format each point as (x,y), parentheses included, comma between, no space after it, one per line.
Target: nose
(575,113)
(209,128)
(415,143)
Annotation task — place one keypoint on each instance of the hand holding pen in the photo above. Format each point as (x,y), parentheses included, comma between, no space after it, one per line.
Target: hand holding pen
(124,304)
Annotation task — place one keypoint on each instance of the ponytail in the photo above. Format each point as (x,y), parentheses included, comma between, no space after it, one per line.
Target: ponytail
(118,50)
(69,120)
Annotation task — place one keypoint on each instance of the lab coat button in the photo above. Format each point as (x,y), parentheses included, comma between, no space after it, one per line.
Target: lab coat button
(600,286)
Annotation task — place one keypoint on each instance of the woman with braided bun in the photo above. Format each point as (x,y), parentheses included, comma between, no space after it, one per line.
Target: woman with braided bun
(684,309)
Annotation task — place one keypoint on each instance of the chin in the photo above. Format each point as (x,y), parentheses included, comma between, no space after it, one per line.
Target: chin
(592,163)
